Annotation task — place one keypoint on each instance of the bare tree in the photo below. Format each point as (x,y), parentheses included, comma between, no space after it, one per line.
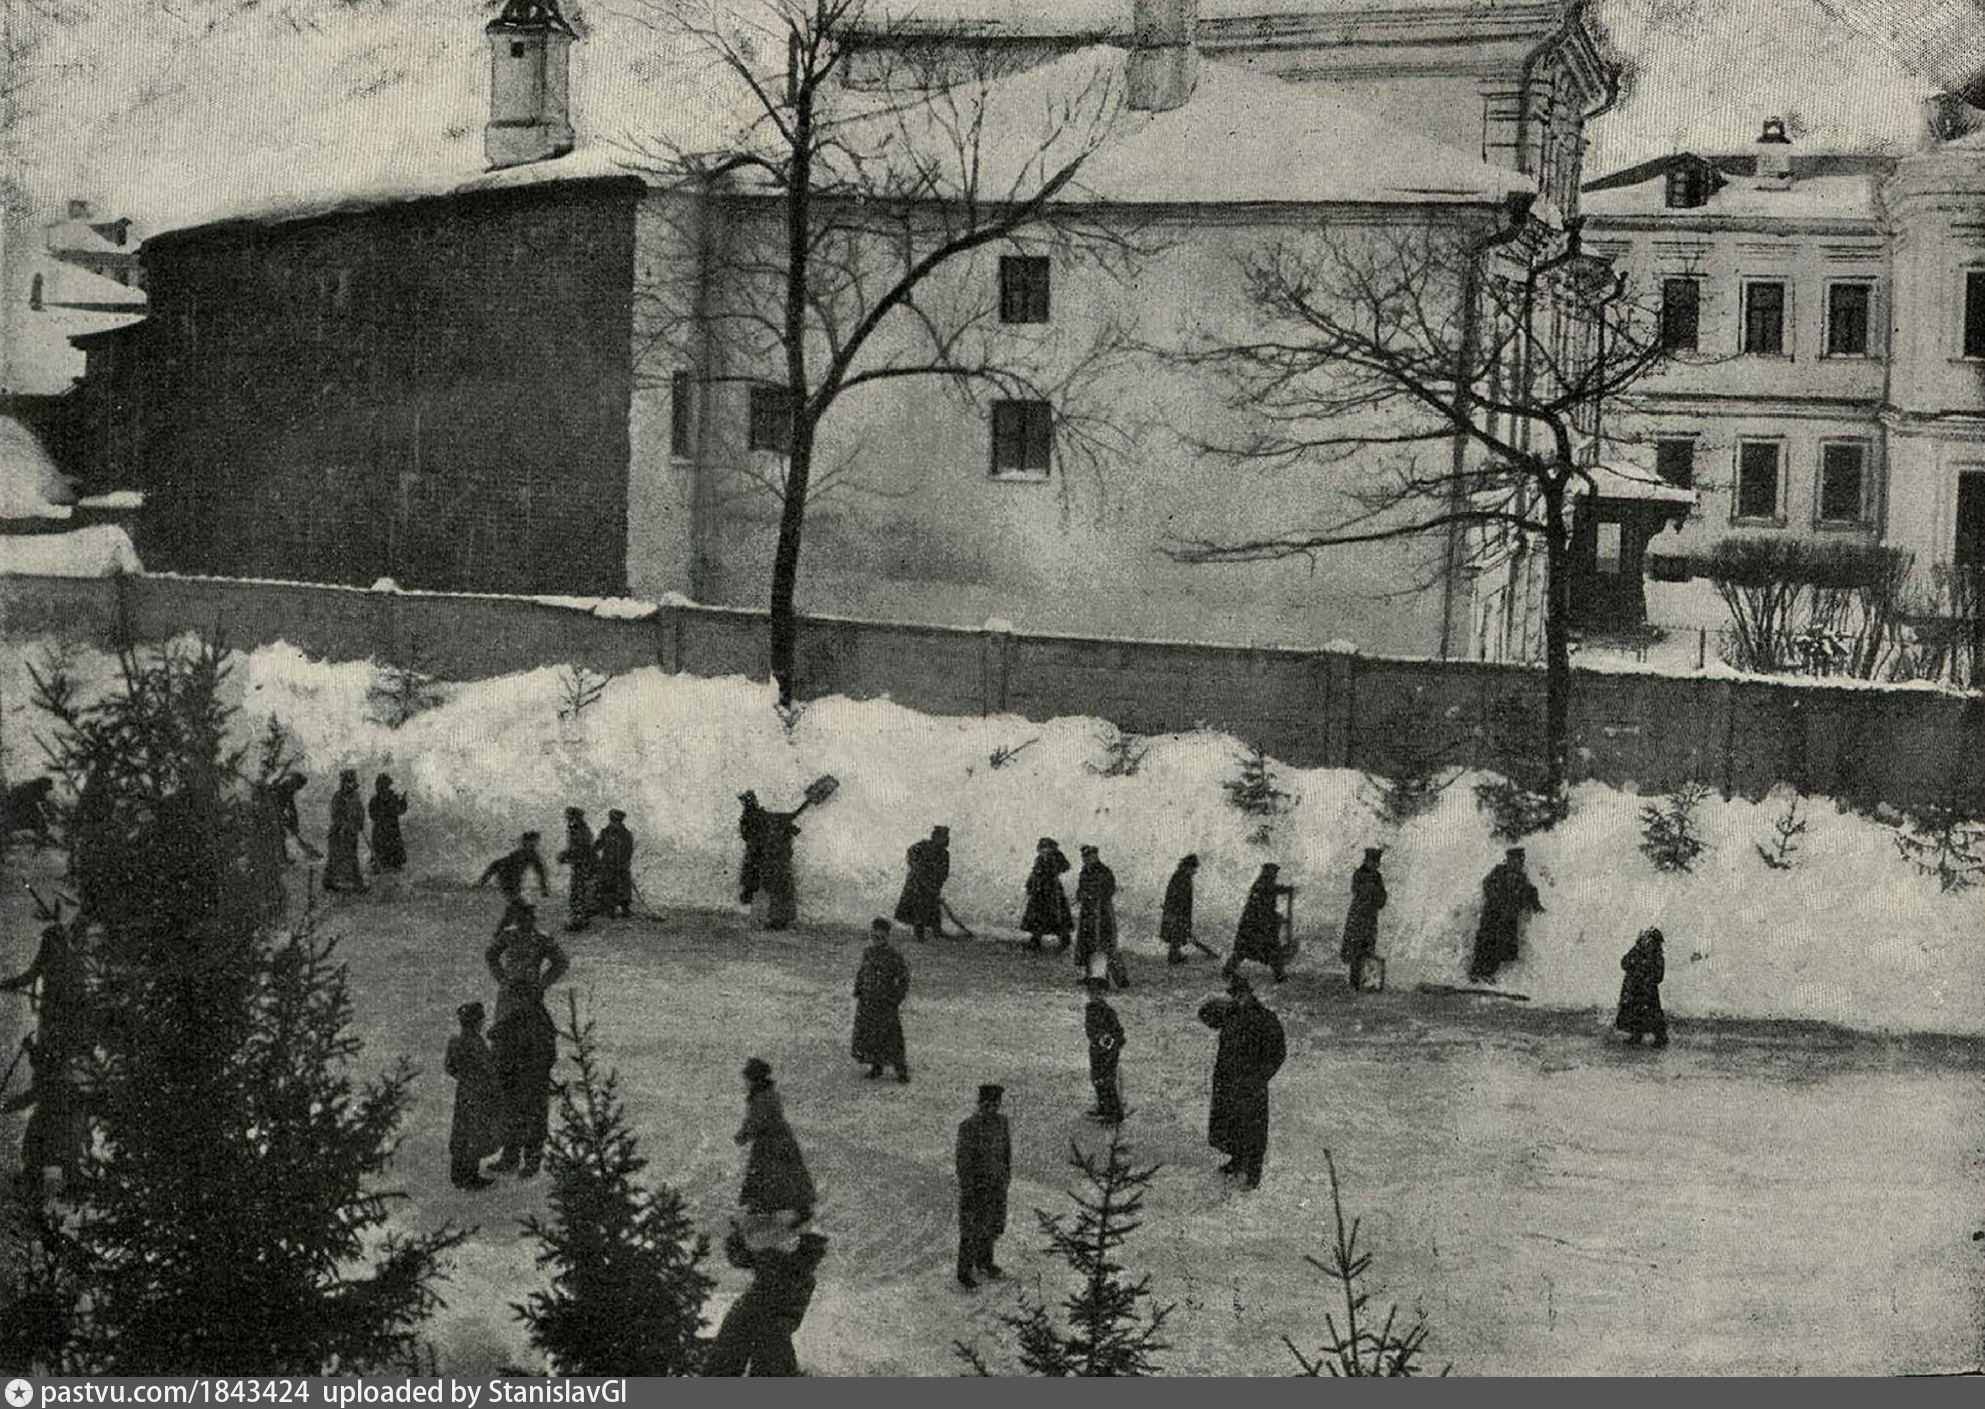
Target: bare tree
(835,242)
(1448,384)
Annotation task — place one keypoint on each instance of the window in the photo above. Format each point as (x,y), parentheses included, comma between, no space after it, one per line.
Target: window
(1974,313)
(1687,187)
(1023,288)
(34,293)
(1607,547)
(682,441)
(1681,314)
(1023,437)
(1764,317)
(771,419)
(1675,462)
(1847,309)
(1843,482)
(1757,481)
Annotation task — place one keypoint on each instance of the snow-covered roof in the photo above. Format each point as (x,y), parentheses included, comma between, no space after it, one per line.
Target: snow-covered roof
(117,500)
(100,551)
(66,283)
(40,359)
(1631,482)
(1744,198)
(1112,17)
(81,237)
(30,485)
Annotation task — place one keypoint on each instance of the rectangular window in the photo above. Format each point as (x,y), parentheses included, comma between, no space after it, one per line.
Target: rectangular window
(1681,314)
(1023,288)
(682,440)
(1607,547)
(1764,317)
(1974,313)
(771,419)
(1675,462)
(1023,437)
(1757,480)
(1843,482)
(1847,309)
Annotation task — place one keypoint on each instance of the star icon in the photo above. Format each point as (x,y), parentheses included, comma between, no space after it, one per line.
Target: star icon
(20,1393)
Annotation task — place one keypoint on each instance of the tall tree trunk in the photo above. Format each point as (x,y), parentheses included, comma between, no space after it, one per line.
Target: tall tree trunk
(1557,633)
(786,559)
(784,624)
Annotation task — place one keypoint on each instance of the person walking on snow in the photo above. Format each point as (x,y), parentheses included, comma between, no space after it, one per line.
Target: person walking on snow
(1096,918)
(476,1130)
(1640,991)
(578,855)
(1047,909)
(1251,1050)
(775,1175)
(389,846)
(921,906)
(508,872)
(1104,1030)
(1361,920)
(341,870)
(1259,934)
(615,852)
(881,984)
(1507,896)
(983,1159)
(1175,920)
(756,1337)
(523,1039)
(284,790)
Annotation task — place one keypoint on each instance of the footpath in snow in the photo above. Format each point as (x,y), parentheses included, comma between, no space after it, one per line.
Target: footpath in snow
(1851,935)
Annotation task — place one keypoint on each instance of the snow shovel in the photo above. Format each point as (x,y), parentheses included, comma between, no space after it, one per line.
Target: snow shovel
(819,790)
(1291,946)
(952,916)
(1203,947)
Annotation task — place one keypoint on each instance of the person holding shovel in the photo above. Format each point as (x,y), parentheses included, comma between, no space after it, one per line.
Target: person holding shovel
(1259,935)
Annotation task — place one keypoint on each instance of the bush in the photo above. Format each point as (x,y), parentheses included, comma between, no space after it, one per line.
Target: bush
(1253,792)
(1516,812)
(404,686)
(1670,833)
(1415,762)
(1815,608)
(1942,842)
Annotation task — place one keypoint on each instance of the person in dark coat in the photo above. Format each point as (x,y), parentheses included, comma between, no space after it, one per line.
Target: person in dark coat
(756,1337)
(1047,909)
(347,827)
(476,1130)
(1259,934)
(1507,896)
(983,1158)
(921,905)
(389,846)
(578,856)
(775,1175)
(508,871)
(285,790)
(1096,918)
(776,831)
(1104,1030)
(881,984)
(1361,920)
(25,807)
(57,1131)
(1175,920)
(750,830)
(615,852)
(1640,991)
(57,987)
(523,1040)
(1251,1050)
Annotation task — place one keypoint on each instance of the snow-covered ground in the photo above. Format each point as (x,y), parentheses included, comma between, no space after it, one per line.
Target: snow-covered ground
(1850,935)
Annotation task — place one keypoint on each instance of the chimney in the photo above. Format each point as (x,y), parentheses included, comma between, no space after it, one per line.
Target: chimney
(81,210)
(1774,158)
(1163,62)
(529,107)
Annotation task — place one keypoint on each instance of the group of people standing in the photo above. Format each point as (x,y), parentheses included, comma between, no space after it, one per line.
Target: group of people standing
(349,814)
(601,867)
(503,1083)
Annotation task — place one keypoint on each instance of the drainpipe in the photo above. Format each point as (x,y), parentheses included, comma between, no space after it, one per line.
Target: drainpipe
(702,350)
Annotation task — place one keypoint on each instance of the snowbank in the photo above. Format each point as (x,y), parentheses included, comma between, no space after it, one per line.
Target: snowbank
(30,485)
(102,551)
(1852,935)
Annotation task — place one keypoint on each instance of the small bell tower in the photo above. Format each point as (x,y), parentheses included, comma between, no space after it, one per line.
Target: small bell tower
(529,99)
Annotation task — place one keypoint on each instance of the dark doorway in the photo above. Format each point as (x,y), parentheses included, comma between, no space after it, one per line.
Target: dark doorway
(1968,551)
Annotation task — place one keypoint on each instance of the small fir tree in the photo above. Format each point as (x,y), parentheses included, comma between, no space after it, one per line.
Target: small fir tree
(1781,852)
(217,1080)
(1254,792)
(404,686)
(1943,842)
(628,1284)
(1003,755)
(1670,831)
(1415,768)
(1106,1325)
(1123,755)
(1527,798)
(1360,1346)
(579,690)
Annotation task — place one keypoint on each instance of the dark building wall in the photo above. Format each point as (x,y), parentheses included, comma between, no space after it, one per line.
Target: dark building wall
(435,391)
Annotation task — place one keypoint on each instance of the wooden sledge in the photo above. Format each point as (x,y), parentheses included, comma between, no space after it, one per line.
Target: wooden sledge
(1449,988)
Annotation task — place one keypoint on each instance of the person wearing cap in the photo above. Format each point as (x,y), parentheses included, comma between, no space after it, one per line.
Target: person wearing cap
(1104,1029)
(614,852)
(341,870)
(522,1037)
(1175,919)
(983,1158)
(1640,990)
(754,847)
(756,1335)
(1507,896)
(1361,920)
(1259,934)
(578,856)
(1251,1050)
(1096,918)
(775,1174)
(389,844)
(475,1131)
(881,984)
(508,872)
(1047,909)
(921,905)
